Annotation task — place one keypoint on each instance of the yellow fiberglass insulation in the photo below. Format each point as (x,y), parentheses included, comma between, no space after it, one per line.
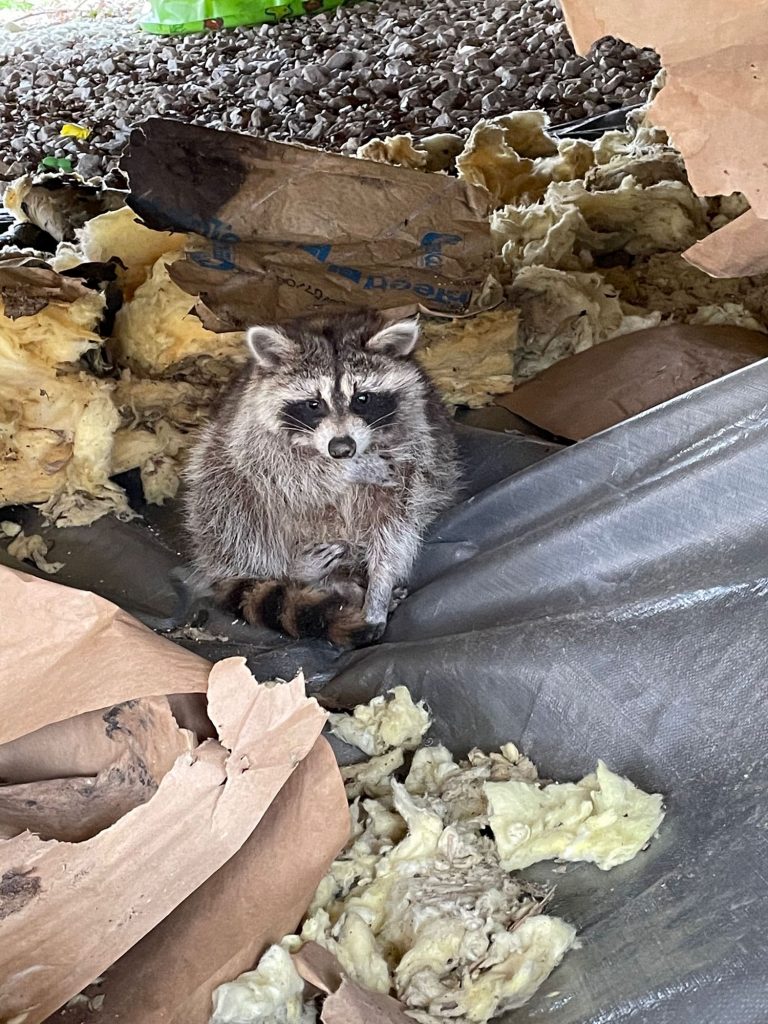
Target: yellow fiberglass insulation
(573,225)
(156,421)
(471,359)
(564,312)
(398,149)
(56,420)
(56,433)
(59,333)
(425,902)
(157,330)
(119,233)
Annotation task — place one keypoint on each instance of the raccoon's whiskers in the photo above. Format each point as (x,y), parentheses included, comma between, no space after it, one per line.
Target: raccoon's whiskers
(294,424)
(386,416)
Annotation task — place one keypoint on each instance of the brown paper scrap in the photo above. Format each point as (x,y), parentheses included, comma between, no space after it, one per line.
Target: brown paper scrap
(87,744)
(607,384)
(255,899)
(346,1002)
(714,99)
(68,911)
(145,741)
(287,230)
(739,249)
(78,653)
(28,284)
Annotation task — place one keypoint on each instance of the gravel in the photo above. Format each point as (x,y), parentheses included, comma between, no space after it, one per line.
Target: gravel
(335,80)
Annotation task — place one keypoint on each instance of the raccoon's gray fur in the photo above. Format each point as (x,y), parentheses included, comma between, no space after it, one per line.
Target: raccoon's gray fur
(310,489)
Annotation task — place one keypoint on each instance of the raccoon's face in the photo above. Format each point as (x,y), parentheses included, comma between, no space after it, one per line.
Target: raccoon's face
(340,387)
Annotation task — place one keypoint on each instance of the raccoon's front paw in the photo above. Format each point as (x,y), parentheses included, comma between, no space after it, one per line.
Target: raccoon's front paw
(372,469)
(316,561)
(373,632)
(350,630)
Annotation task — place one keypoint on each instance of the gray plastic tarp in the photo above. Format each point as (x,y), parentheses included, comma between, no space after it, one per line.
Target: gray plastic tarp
(604,600)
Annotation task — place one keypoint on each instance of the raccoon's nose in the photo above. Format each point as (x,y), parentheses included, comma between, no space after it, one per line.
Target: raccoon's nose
(341,447)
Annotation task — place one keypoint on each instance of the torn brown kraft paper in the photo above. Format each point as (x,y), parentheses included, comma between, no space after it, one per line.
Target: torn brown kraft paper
(346,1002)
(712,104)
(604,385)
(179,890)
(286,230)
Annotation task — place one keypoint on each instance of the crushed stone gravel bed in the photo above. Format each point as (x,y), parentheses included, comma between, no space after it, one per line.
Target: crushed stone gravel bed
(335,80)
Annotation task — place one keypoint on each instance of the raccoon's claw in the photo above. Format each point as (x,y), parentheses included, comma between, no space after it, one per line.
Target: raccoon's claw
(371,633)
(371,469)
(399,594)
(352,631)
(375,632)
(317,560)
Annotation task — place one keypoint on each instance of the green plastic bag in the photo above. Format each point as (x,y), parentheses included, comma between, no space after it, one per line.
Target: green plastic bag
(177,17)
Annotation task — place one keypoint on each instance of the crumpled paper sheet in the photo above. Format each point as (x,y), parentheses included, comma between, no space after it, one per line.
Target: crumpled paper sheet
(144,740)
(250,903)
(346,1002)
(27,285)
(738,248)
(69,651)
(603,386)
(712,104)
(291,230)
(59,203)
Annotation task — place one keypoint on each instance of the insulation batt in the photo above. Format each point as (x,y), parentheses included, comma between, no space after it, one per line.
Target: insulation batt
(157,330)
(564,312)
(603,819)
(64,432)
(588,239)
(471,360)
(120,234)
(423,903)
(387,722)
(33,548)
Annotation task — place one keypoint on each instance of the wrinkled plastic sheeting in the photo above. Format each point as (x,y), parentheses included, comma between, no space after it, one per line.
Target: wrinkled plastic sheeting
(604,600)
(611,601)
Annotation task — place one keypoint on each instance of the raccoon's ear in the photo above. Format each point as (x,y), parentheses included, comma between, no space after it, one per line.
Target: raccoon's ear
(397,340)
(269,346)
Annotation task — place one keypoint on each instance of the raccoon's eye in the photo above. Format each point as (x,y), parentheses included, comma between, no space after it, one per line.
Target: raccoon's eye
(312,403)
(361,398)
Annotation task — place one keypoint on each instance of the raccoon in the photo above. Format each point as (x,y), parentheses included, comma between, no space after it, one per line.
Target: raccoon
(310,489)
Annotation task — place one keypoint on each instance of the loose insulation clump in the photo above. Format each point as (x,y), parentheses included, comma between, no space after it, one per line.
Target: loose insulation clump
(425,903)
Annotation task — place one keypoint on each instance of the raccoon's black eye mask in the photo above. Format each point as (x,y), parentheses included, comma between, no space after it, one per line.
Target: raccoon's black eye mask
(375,408)
(305,414)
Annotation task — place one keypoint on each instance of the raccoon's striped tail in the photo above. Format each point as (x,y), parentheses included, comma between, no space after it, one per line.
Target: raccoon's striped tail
(334,614)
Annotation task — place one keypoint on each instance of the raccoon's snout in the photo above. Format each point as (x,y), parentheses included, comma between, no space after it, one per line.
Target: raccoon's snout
(341,447)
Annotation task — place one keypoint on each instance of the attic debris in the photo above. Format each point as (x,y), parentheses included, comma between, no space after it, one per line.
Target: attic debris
(587,238)
(32,548)
(423,903)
